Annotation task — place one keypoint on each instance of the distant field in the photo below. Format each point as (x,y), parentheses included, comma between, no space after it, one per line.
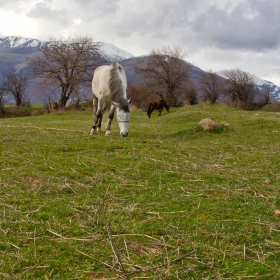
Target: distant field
(169,201)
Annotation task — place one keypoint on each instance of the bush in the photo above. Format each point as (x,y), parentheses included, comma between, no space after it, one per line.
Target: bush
(272,107)
(20,111)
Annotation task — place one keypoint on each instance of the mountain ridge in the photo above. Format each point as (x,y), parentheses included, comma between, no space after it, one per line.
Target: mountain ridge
(16,49)
(108,51)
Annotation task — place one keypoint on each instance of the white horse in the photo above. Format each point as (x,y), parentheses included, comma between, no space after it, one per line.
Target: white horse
(109,88)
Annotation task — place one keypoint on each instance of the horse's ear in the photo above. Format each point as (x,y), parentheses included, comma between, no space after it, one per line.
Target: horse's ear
(129,101)
(116,104)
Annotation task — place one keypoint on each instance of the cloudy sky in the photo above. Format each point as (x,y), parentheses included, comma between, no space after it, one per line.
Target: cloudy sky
(216,34)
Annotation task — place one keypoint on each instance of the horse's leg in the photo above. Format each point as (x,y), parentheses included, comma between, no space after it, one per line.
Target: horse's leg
(95,106)
(97,122)
(110,118)
(159,112)
(149,111)
(151,108)
(99,112)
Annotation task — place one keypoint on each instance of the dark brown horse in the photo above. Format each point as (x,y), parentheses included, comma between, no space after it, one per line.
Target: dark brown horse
(157,105)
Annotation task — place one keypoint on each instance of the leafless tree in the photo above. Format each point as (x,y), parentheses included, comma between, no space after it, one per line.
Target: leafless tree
(191,94)
(2,108)
(166,73)
(211,86)
(141,94)
(16,83)
(66,64)
(81,95)
(266,94)
(46,91)
(241,87)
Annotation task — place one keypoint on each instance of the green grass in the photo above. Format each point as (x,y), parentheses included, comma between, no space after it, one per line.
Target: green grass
(170,201)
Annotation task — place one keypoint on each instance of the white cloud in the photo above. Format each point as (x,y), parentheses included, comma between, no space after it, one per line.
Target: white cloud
(16,24)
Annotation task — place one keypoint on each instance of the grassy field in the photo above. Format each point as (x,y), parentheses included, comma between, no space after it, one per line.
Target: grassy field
(169,201)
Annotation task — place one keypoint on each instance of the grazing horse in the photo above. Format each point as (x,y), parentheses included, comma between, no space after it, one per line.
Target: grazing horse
(157,105)
(109,88)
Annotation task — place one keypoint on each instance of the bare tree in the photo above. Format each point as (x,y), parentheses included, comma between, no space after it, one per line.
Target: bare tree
(66,64)
(165,73)
(2,108)
(16,83)
(241,87)
(141,94)
(211,86)
(191,94)
(46,91)
(266,94)
(80,96)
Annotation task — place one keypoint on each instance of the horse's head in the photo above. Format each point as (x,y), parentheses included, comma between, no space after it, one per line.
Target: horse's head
(123,115)
(165,105)
(167,108)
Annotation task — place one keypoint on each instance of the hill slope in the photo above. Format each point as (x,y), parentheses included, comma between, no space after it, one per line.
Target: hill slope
(176,202)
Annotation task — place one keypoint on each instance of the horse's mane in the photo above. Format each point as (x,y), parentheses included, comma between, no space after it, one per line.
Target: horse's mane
(116,86)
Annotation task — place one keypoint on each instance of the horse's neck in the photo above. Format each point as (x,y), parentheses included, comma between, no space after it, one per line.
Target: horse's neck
(117,85)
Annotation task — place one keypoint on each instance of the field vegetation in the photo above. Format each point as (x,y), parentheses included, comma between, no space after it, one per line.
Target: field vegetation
(170,201)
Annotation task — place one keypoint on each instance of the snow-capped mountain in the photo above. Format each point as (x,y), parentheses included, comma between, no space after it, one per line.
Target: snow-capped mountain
(108,51)
(111,52)
(275,90)
(23,47)
(17,42)
(15,50)
(262,85)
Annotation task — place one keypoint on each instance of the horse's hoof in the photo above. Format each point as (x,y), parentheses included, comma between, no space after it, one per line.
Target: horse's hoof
(108,133)
(92,132)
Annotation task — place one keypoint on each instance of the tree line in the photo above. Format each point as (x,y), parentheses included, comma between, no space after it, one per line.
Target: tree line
(66,67)
(166,75)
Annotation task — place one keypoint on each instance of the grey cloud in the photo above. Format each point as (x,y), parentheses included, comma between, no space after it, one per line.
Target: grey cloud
(5,3)
(42,11)
(10,5)
(97,8)
(253,25)
(150,20)
(211,31)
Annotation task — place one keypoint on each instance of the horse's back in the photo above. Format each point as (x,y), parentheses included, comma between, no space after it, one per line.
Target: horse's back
(100,80)
(157,105)
(117,73)
(102,76)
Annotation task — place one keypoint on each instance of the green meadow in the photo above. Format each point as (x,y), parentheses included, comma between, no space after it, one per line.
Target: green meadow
(170,201)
